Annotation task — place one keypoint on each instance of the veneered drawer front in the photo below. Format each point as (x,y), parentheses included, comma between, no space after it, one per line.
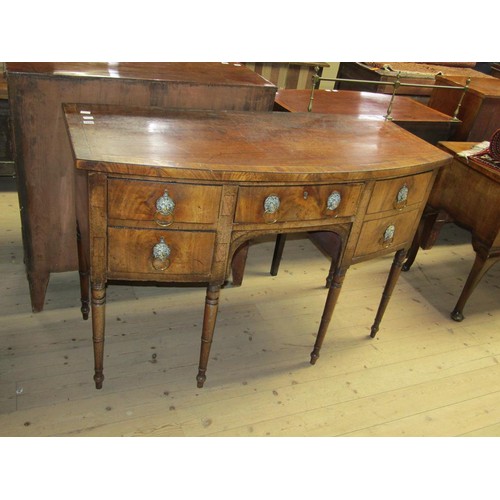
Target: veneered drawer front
(297,202)
(386,233)
(411,191)
(131,251)
(137,200)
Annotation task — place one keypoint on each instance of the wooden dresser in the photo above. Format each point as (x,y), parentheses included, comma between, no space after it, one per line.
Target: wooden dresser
(480,110)
(173,195)
(42,155)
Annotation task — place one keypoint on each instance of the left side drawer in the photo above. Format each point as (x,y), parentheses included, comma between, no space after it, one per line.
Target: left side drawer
(131,251)
(139,201)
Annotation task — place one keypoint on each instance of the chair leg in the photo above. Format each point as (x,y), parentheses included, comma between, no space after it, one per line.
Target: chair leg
(278,253)
(481,265)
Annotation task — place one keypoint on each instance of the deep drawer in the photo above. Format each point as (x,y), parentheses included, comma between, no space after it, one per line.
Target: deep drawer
(386,233)
(131,251)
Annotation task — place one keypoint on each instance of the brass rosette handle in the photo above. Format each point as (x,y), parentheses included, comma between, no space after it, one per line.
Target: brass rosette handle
(165,206)
(388,236)
(401,198)
(161,256)
(271,207)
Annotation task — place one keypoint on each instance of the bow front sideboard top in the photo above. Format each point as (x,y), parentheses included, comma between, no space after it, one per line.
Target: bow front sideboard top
(174,194)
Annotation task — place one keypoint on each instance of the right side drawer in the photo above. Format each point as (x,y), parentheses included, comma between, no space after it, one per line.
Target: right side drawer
(397,194)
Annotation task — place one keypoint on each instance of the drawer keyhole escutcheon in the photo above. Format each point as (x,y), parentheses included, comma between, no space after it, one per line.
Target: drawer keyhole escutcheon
(388,236)
(161,255)
(271,206)
(333,201)
(401,198)
(165,206)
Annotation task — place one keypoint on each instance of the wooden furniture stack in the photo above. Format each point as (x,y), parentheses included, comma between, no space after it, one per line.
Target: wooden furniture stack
(48,189)
(479,113)
(175,194)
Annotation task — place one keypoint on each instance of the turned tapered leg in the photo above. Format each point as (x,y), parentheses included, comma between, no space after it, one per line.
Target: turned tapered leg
(331,301)
(481,265)
(83,270)
(278,253)
(388,289)
(209,318)
(98,318)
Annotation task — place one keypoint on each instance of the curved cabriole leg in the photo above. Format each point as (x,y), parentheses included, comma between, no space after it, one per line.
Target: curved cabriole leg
(331,300)
(209,318)
(481,265)
(98,314)
(388,289)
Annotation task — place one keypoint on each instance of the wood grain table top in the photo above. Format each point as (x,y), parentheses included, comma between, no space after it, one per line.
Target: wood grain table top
(201,73)
(239,146)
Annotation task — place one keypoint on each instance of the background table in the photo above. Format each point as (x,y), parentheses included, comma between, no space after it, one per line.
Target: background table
(417,118)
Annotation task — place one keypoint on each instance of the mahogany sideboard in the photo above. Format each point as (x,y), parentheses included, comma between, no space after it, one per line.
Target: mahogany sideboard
(468,194)
(42,155)
(480,110)
(173,195)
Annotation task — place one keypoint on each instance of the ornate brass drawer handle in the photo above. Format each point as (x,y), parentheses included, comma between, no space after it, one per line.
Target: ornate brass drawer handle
(165,206)
(401,198)
(161,255)
(333,201)
(271,206)
(388,236)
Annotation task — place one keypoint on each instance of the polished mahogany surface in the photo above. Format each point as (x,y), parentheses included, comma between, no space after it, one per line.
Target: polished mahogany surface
(212,145)
(489,87)
(363,105)
(204,73)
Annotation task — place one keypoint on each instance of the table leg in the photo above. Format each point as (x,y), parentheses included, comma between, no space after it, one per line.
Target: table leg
(98,318)
(331,300)
(388,289)
(481,265)
(209,318)
(83,270)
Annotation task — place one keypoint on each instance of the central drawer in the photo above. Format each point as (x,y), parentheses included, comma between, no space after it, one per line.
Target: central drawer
(133,251)
(296,203)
